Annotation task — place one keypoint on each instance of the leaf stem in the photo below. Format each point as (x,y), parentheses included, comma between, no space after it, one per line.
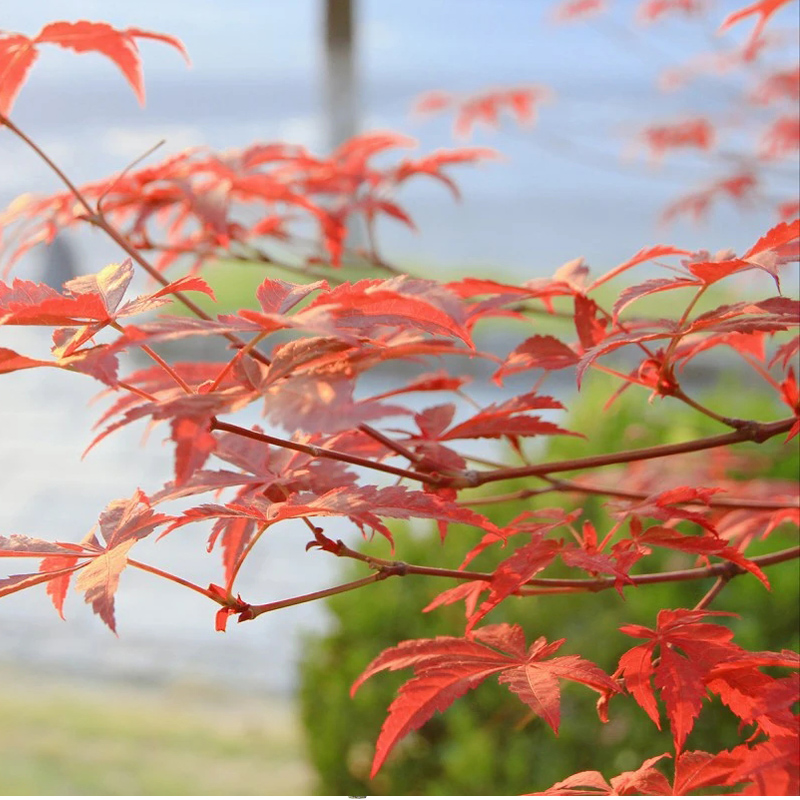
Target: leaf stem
(246,350)
(720,583)
(175,579)
(256,610)
(398,448)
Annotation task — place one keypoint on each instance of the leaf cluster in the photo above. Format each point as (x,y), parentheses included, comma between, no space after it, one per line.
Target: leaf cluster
(349,438)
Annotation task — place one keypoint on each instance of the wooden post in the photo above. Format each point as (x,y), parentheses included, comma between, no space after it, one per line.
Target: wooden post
(341,102)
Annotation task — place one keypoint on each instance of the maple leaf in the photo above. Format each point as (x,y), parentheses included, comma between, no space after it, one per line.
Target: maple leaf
(772,767)
(589,782)
(118,45)
(764,8)
(122,524)
(368,305)
(537,352)
(447,667)
(696,769)
(508,419)
(514,571)
(632,293)
(11,361)
(432,165)
(588,556)
(193,445)
(706,545)
(100,578)
(651,10)
(427,382)
(590,330)
(18,52)
(646,254)
(60,570)
(469,592)
(59,560)
(645,780)
(235,534)
(363,505)
(90,303)
(486,107)
(697,133)
(689,648)
(17,55)
(756,697)
(571,10)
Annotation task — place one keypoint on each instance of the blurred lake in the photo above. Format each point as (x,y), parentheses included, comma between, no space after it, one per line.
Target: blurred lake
(563,190)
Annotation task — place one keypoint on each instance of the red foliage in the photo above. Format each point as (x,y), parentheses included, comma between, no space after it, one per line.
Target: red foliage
(18,53)
(447,667)
(302,350)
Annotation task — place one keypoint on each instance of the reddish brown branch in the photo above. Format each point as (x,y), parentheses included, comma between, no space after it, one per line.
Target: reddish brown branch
(97,218)
(174,578)
(321,452)
(758,432)
(547,585)
(390,443)
(255,611)
(562,485)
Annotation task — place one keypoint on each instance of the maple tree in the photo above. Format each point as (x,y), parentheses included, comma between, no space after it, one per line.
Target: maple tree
(333,447)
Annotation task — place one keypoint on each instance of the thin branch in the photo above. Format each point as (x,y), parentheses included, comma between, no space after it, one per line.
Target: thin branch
(398,448)
(719,585)
(336,455)
(95,217)
(758,432)
(563,485)
(562,585)
(138,160)
(723,568)
(254,611)
(174,578)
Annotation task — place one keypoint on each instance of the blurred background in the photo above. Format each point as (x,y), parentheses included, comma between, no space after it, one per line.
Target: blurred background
(577,182)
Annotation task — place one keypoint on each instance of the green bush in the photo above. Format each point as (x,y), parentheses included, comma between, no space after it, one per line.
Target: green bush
(487,743)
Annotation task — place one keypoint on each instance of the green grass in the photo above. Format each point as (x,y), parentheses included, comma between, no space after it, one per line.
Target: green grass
(74,738)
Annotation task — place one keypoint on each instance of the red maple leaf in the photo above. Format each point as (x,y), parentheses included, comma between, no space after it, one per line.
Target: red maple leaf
(508,419)
(689,649)
(693,770)
(652,10)
(538,352)
(447,667)
(645,254)
(18,52)
(764,8)
(123,523)
(772,767)
(89,303)
(363,505)
(697,133)
(571,10)
(514,571)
